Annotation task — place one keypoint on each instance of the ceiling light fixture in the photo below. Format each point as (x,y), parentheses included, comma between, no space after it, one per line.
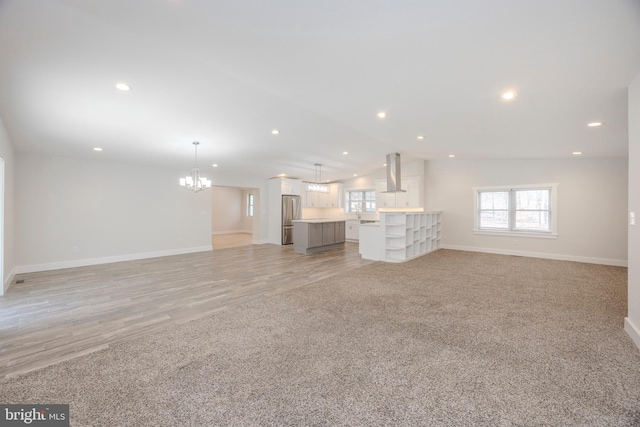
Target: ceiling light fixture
(382,114)
(594,124)
(509,95)
(345,153)
(355,174)
(123,86)
(577,153)
(452,155)
(195,182)
(97,149)
(317,186)
(420,137)
(275,131)
(215,165)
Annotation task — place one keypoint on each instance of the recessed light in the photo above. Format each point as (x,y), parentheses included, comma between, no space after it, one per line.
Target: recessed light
(275,131)
(509,95)
(123,86)
(384,164)
(594,124)
(577,153)
(215,165)
(420,137)
(355,174)
(382,114)
(345,153)
(97,149)
(452,155)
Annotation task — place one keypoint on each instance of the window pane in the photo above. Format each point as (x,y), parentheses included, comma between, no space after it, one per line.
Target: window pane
(354,206)
(533,220)
(370,207)
(370,195)
(532,199)
(494,219)
(355,195)
(494,200)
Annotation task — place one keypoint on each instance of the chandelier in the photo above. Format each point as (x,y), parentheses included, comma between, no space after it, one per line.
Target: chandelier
(318,186)
(195,182)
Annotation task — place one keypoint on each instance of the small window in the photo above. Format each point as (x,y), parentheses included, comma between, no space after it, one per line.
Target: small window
(363,201)
(524,210)
(249,204)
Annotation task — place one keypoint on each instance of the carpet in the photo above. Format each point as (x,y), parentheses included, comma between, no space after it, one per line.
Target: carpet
(449,339)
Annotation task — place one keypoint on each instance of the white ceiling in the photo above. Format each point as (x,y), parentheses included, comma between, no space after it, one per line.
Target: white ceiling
(226,73)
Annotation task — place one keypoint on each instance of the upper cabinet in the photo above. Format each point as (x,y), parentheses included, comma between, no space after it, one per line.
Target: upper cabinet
(290,186)
(412,197)
(334,198)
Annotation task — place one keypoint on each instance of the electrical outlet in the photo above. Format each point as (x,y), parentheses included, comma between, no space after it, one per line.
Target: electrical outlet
(74,249)
(632,218)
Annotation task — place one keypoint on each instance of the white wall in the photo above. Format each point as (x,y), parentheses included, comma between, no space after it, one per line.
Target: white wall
(229,211)
(632,322)
(106,211)
(592,205)
(7,154)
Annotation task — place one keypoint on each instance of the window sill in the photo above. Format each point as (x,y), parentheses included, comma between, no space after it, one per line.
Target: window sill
(541,235)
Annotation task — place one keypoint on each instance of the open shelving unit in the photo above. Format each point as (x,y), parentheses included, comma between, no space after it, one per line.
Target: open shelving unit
(410,234)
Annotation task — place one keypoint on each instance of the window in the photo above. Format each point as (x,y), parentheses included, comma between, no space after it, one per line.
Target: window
(249,204)
(361,201)
(522,210)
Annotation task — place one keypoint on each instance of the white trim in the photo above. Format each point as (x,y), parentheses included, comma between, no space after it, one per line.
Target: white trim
(553,211)
(633,331)
(541,235)
(8,281)
(107,260)
(560,257)
(260,242)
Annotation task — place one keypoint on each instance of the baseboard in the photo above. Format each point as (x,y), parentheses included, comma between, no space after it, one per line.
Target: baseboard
(560,257)
(259,241)
(214,233)
(633,331)
(8,281)
(107,260)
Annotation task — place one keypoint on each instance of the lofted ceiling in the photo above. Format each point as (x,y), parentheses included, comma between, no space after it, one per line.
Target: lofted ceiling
(227,73)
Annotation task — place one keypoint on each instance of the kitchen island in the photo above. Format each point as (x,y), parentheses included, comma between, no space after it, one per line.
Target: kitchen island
(314,235)
(401,236)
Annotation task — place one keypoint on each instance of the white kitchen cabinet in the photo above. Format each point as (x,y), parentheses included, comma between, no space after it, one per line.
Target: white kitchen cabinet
(352,232)
(290,186)
(411,197)
(334,198)
(384,199)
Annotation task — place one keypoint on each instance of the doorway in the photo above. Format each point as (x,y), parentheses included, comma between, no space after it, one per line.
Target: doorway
(234,216)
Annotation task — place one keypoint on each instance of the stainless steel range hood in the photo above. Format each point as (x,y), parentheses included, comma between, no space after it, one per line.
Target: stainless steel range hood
(394,184)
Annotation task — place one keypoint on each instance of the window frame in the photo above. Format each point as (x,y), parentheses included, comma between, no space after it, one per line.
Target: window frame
(250,204)
(363,201)
(552,233)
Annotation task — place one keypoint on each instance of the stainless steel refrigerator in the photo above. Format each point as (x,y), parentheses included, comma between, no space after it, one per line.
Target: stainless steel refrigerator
(291,210)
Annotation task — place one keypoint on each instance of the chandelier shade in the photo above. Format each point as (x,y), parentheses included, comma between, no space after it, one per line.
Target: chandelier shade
(195,182)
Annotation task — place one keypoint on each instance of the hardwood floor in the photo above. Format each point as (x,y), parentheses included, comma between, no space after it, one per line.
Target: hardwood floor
(231,240)
(57,315)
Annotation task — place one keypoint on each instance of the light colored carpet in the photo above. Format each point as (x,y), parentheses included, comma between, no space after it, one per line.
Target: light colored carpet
(450,339)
